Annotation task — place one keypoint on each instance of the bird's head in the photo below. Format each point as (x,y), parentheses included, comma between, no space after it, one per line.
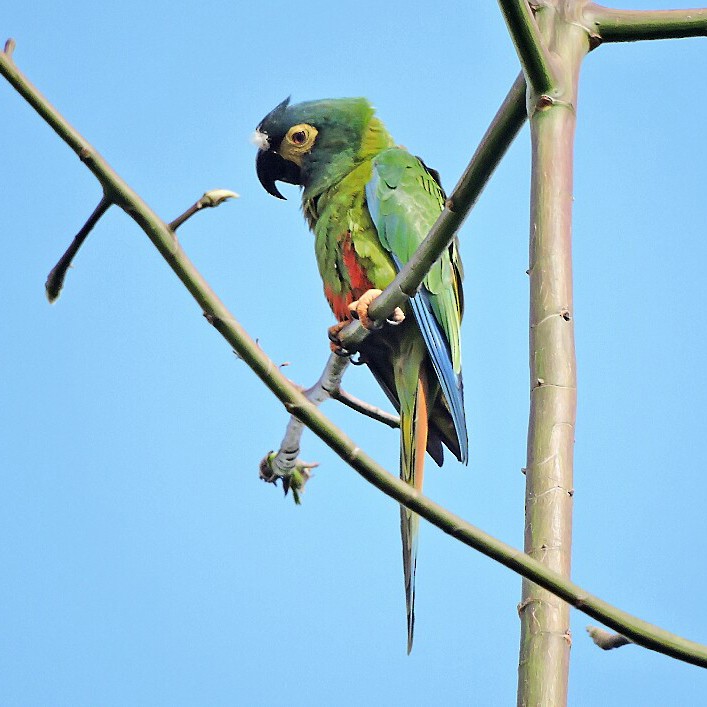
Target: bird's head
(313,144)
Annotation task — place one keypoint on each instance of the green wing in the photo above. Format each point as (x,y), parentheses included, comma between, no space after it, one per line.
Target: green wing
(404,200)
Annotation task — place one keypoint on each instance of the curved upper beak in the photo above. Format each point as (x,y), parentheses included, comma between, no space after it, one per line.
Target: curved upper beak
(272,168)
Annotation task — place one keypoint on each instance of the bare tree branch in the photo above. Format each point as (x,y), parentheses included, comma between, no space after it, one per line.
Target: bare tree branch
(545,641)
(285,463)
(611,25)
(55,279)
(211,199)
(216,313)
(504,127)
(375,413)
(532,52)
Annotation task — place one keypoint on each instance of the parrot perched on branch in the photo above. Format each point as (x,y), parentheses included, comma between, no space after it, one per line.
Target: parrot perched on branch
(370,204)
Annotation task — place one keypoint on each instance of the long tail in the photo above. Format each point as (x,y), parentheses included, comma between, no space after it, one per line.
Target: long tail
(413,442)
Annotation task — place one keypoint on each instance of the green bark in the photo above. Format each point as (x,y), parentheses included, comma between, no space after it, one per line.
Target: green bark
(545,631)
(609,25)
(534,57)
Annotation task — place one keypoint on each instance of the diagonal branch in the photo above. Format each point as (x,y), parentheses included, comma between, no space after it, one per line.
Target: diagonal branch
(611,25)
(286,464)
(55,279)
(159,233)
(375,413)
(532,51)
(504,127)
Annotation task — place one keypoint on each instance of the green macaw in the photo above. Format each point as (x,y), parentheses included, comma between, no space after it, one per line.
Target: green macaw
(369,204)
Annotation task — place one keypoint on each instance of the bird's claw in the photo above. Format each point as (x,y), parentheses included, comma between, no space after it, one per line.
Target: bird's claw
(335,344)
(398,317)
(359,310)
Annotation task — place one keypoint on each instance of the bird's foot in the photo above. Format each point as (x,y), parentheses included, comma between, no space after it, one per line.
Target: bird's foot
(359,310)
(334,342)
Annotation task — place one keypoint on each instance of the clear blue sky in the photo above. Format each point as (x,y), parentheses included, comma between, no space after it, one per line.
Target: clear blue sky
(143,562)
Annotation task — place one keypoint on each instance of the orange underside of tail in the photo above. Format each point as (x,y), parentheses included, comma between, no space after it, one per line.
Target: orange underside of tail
(421,431)
(408,519)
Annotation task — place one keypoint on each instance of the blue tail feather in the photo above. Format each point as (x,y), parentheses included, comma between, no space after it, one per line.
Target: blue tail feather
(450,381)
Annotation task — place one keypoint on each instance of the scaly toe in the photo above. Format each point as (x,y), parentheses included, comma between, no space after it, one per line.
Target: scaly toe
(334,342)
(359,308)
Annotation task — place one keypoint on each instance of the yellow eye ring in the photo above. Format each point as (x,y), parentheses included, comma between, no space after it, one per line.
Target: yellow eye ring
(301,137)
(298,141)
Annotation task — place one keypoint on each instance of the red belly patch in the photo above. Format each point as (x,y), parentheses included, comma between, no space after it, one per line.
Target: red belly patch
(357,284)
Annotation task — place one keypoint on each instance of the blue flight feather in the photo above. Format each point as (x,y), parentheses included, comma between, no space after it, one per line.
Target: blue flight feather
(438,349)
(403,210)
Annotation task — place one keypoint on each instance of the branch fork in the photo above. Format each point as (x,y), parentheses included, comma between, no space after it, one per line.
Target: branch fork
(55,279)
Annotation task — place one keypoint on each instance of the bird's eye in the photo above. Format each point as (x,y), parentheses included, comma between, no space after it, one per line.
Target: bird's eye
(298,142)
(301,137)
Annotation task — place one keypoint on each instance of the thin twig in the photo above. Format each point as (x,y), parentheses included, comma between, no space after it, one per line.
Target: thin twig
(610,25)
(375,413)
(532,52)
(211,199)
(55,279)
(285,464)
(640,631)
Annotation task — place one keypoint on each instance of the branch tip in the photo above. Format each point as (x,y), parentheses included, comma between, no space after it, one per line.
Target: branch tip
(216,197)
(607,640)
(9,47)
(210,199)
(297,479)
(55,279)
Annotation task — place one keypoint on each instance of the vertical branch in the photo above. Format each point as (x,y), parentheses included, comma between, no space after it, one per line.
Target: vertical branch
(545,635)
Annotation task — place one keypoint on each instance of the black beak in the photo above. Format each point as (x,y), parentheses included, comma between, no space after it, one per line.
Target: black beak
(272,168)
